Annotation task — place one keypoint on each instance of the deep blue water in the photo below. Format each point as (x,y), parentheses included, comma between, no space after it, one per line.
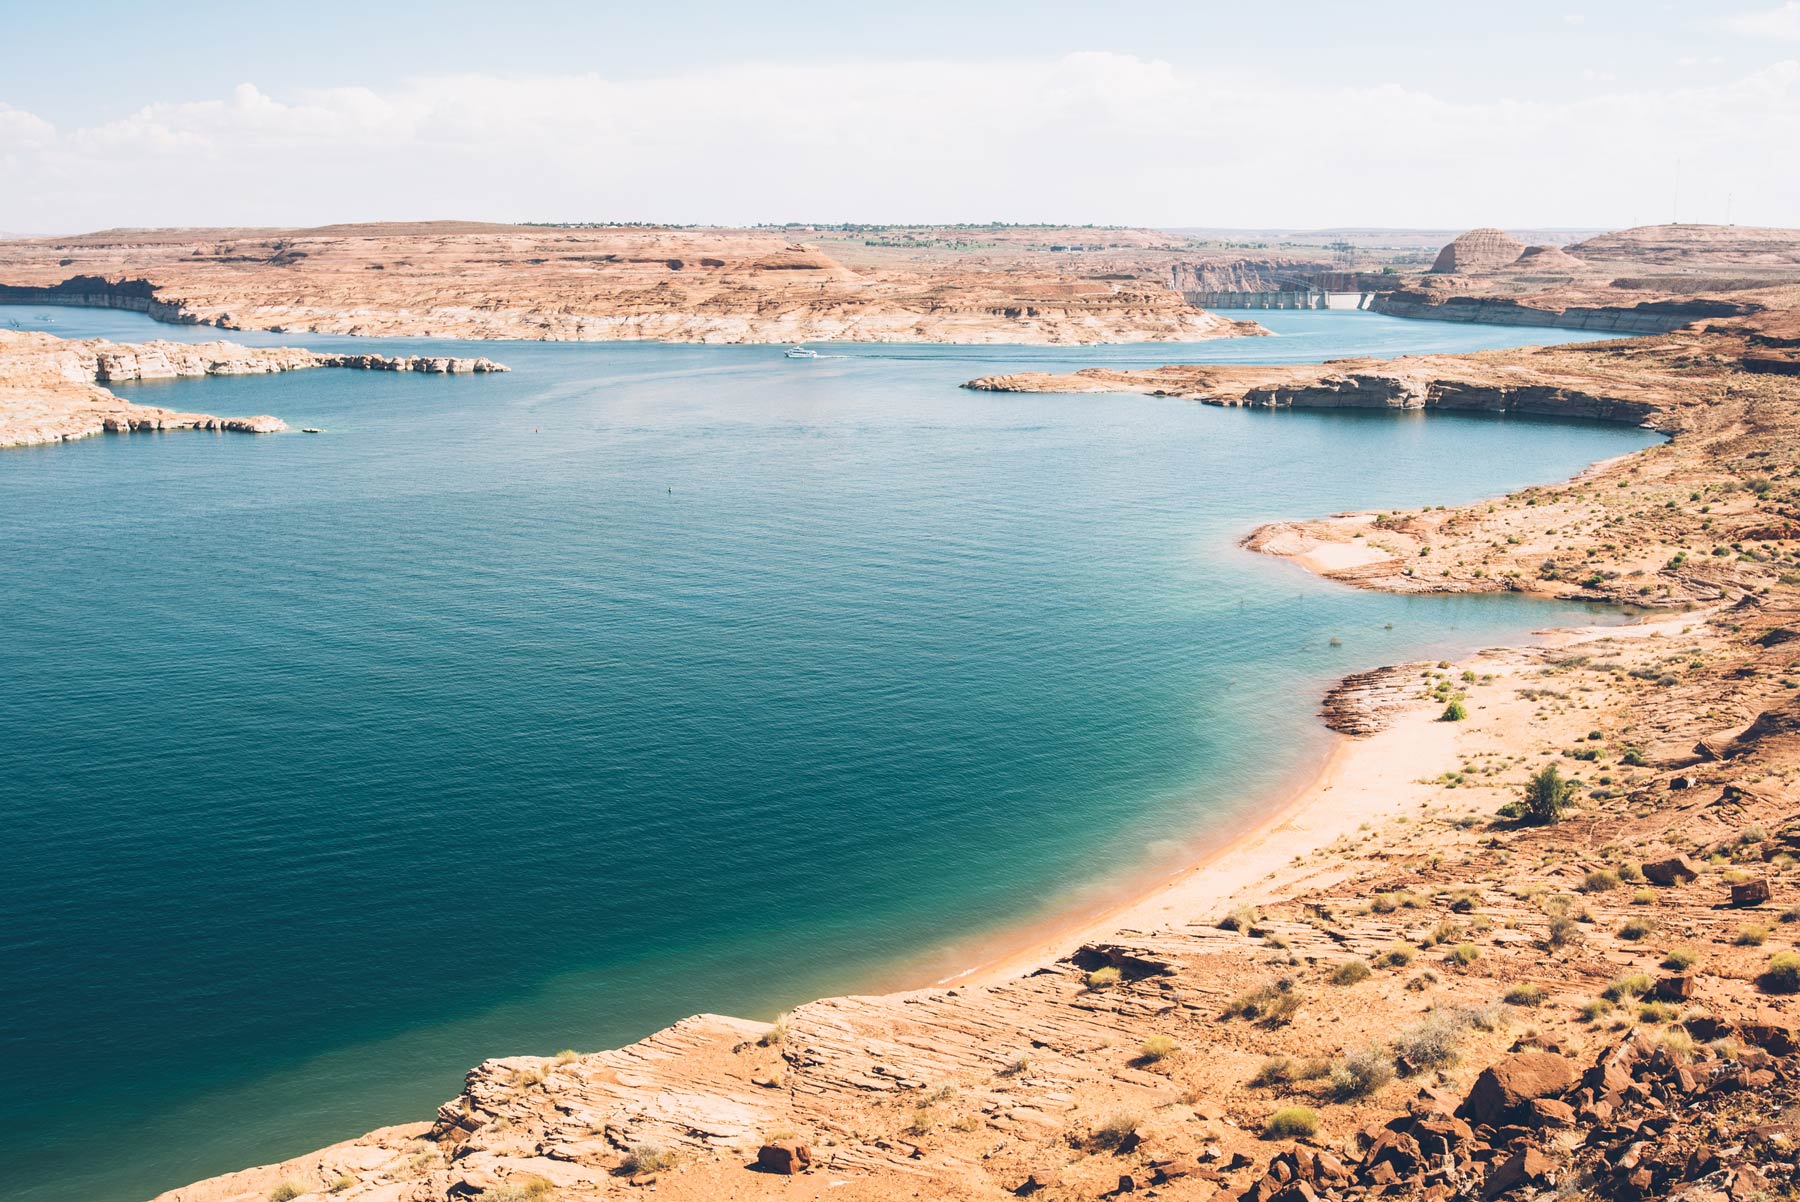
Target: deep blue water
(530,711)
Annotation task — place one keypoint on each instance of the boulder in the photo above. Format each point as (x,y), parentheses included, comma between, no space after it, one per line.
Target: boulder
(1750,893)
(1552,1112)
(786,1156)
(1503,1089)
(1677,870)
(1677,988)
(1525,1167)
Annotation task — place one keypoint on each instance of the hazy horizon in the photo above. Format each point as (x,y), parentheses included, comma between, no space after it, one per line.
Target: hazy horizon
(1395,115)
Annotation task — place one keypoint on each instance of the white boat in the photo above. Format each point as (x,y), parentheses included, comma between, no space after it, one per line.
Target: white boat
(800,352)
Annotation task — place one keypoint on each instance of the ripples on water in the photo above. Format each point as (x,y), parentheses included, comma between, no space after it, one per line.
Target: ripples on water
(530,711)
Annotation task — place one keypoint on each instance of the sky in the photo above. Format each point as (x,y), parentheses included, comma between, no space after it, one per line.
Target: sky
(1299,115)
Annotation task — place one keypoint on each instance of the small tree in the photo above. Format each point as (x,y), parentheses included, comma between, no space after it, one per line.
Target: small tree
(1547,795)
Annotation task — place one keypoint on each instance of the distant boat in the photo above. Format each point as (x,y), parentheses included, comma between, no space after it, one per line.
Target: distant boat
(800,352)
(311,430)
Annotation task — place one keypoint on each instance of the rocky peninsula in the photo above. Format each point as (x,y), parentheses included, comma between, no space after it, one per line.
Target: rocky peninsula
(1531,931)
(51,388)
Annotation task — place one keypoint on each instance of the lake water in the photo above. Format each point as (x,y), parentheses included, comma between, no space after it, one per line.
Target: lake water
(538,710)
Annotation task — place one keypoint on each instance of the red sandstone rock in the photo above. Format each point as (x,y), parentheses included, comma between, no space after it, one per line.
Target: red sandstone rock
(1673,989)
(786,1156)
(1523,1168)
(1552,1112)
(1478,250)
(1750,893)
(1520,1078)
(1677,870)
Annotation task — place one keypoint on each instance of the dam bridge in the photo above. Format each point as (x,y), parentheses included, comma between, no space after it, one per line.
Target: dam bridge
(1299,298)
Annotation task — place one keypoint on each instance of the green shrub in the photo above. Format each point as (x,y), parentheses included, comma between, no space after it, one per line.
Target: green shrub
(1633,985)
(1360,1074)
(1637,928)
(1276,1070)
(1350,972)
(1157,1047)
(1243,920)
(1464,954)
(1680,959)
(1563,932)
(1600,880)
(1784,973)
(776,1033)
(1525,995)
(1598,1008)
(924,1121)
(1292,1122)
(1751,936)
(342,1183)
(1446,931)
(1114,1130)
(1397,955)
(1104,978)
(1548,795)
(1431,1044)
(1275,1003)
(1454,712)
(286,1191)
(646,1158)
(1656,1012)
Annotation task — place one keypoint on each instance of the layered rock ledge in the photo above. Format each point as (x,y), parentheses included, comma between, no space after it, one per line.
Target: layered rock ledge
(474,281)
(51,388)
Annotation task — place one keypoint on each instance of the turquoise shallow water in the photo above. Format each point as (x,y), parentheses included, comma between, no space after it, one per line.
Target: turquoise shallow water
(538,710)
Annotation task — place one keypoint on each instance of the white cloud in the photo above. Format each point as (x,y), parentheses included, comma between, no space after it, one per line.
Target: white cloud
(20,130)
(1085,137)
(1782,21)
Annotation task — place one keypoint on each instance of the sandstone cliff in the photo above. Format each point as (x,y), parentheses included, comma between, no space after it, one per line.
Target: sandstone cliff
(1647,280)
(1586,381)
(471,281)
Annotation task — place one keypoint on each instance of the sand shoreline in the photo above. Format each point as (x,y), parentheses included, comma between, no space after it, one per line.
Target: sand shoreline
(1360,781)
(1052,939)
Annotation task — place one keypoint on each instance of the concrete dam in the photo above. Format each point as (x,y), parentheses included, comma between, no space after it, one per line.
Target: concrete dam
(1307,298)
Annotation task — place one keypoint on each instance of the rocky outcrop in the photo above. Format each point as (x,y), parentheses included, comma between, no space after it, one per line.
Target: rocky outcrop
(473,281)
(1478,250)
(1691,247)
(1645,317)
(426,364)
(1547,260)
(1553,382)
(1648,1120)
(50,387)
(1365,703)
